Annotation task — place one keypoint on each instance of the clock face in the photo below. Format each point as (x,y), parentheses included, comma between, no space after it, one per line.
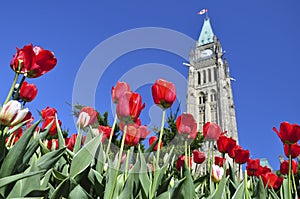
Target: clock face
(206,53)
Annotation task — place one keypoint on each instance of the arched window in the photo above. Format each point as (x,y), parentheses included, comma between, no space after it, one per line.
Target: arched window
(199,78)
(204,76)
(202,99)
(213,95)
(209,75)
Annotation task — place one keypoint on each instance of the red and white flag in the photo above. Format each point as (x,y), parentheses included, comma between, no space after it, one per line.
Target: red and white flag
(203,11)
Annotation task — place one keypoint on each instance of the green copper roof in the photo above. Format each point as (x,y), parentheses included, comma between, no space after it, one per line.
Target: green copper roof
(207,34)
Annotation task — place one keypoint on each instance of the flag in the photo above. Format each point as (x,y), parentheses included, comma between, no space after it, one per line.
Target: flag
(203,11)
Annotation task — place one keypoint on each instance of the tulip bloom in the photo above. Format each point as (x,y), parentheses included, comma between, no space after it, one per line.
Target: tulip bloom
(53,128)
(198,156)
(48,112)
(129,107)
(295,150)
(217,173)
(163,93)
(152,139)
(118,92)
(252,166)
(186,124)
(105,130)
(70,142)
(284,167)
(219,161)
(52,144)
(262,170)
(225,144)
(232,152)
(33,61)
(289,133)
(211,131)
(134,133)
(87,116)
(241,156)
(28,92)
(12,114)
(181,160)
(272,180)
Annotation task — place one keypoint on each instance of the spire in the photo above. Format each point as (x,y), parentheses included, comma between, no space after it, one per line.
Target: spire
(207,34)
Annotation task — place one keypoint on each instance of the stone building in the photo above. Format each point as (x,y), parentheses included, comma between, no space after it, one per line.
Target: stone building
(209,94)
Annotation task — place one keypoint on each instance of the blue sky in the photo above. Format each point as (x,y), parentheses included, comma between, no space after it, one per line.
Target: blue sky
(261,40)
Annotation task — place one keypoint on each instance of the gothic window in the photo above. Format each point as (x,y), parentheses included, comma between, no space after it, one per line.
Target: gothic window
(213,96)
(199,78)
(204,76)
(202,99)
(209,75)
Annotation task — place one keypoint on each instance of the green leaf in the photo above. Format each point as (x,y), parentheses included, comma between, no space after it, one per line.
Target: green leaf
(165,195)
(84,157)
(61,140)
(16,153)
(48,160)
(31,149)
(143,175)
(10,179)
(239,193)
(260,191)
(220,190)
(79,192)
(185,188)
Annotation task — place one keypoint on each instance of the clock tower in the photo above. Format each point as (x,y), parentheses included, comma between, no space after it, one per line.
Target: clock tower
(209,94)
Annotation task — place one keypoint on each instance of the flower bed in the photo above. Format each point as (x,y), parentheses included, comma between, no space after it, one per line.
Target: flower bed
(39,159)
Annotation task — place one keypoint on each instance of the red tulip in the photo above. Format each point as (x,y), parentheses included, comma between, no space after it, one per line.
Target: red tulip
(232,152)
(284,167)
(262,170)
(241,156)
(53,128)
(14,137)
(133,134)
(48,112)
(87,116)
(118,92)
(52,144)
(129,107)
(163,93)
(33,61)
(295,150)
(181,160)
(12,113)
(211,131)
(225,144)
(186,124)
(199,157)
(28,92)
(252,166)
(105,130)
(289,133)
(70,142)
(219,161)
(152,139)
(272,180)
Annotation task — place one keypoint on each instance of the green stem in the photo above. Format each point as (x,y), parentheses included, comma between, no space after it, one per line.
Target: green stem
(246,187)
(160,137)
(239,174)
(118,165)
(212,153)
(19,87)
(289,174)
(110,138)
(126,164)
(185,154)
(208,157)
(11,88)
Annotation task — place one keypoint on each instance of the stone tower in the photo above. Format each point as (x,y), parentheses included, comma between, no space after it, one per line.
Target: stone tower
(209,94)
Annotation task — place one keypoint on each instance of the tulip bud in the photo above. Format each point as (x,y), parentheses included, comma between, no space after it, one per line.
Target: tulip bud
(12,114)
(217,173)
(163,93)
(28,92)
(87,116)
